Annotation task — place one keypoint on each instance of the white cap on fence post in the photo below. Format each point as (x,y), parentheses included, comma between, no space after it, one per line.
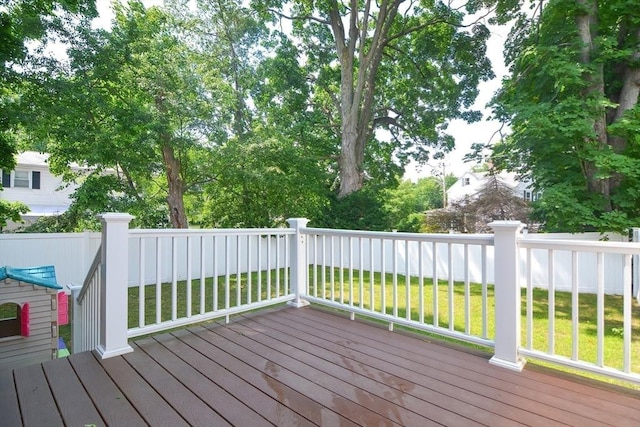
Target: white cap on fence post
(299,269)
(114,280)
(507,295)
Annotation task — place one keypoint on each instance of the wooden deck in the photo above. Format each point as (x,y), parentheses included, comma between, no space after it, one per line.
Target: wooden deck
(292,367)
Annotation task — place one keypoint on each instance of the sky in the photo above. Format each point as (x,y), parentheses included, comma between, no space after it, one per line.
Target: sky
(465,134)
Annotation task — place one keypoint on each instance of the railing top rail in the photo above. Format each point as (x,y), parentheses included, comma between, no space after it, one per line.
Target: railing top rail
(174,232)
(87,281)
(628,248)
(475,239)
(50,236)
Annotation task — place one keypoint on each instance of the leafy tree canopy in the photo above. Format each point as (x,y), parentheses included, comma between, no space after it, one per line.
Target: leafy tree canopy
(572,103)
(394,65)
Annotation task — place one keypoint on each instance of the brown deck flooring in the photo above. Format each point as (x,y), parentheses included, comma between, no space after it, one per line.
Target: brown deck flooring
(291,367)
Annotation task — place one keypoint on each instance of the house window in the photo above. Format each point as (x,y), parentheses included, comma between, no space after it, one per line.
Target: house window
(466,181)
(21,179)
(14,320)
(526,195)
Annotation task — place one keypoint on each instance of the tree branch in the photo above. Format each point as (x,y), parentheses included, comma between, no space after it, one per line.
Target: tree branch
(300,17)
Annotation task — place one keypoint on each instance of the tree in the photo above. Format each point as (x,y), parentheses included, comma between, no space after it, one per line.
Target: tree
(22,21)
(269,166)
(401,66)
(11,211)
(406,205)
(495,201)
(572,103)
(134,101)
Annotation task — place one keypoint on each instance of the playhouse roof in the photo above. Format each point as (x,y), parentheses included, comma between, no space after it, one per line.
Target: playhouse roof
(40,276)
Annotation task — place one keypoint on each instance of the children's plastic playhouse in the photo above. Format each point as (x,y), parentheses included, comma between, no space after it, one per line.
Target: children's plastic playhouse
(32,307)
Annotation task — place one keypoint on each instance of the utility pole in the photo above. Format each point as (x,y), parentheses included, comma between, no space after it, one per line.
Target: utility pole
(444,185)
(440,171)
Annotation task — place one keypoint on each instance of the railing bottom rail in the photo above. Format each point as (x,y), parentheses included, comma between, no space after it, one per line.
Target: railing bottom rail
(198,318)
(404,322)
(581,365)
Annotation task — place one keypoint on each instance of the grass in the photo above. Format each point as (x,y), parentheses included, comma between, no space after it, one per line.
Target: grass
(587,331)
(407,296)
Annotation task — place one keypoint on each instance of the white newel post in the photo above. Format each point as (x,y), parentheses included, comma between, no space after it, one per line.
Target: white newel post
(636,266)
(114,274)
(507,295)
(298,267)
(76,332)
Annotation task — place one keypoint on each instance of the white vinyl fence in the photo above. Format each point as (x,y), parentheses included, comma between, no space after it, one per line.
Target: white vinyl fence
(189,254)
(72,254)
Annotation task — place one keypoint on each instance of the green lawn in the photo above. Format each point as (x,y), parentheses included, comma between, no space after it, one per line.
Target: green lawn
(587,336)
(587,308)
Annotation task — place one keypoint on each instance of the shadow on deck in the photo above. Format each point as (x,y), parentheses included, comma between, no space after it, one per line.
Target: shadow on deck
(292,367)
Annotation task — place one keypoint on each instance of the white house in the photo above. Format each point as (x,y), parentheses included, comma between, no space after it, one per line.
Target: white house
(33,184)
(470,183)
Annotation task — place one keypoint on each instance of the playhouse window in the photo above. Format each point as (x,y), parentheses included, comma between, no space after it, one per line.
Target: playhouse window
(10,316)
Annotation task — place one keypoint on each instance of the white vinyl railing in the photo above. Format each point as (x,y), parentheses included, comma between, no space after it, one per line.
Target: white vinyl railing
(225,272)
(592,339)
(375,274)
(86,303)
(189,276)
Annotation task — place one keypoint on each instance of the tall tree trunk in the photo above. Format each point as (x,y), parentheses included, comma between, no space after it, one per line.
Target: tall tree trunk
(630,91)
(175,196)
(587,23)
(357,90)
(626,99)
(175,185)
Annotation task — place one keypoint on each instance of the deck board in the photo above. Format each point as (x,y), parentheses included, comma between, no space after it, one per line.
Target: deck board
(235,411)
(151,406)
(446,395)
(378,389)
(201,339)
(177,394)
(76,408)
(240,390)
(37,404)
(277,375)
(302,364)
(109,400)
(555,397)
(9,407)
(302,367)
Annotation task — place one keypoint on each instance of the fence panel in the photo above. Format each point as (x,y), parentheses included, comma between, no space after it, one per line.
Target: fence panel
(70,253)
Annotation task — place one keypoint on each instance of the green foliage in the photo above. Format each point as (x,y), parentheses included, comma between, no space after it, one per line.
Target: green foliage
(11,211)
(409,70)
(240,124)
(262,182)
(574,123)
(362,210)
(23,21)
(406,204)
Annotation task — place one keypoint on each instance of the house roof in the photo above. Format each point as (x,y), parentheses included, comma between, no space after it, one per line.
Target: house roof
(461,189)
(37,159)
(23,275)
